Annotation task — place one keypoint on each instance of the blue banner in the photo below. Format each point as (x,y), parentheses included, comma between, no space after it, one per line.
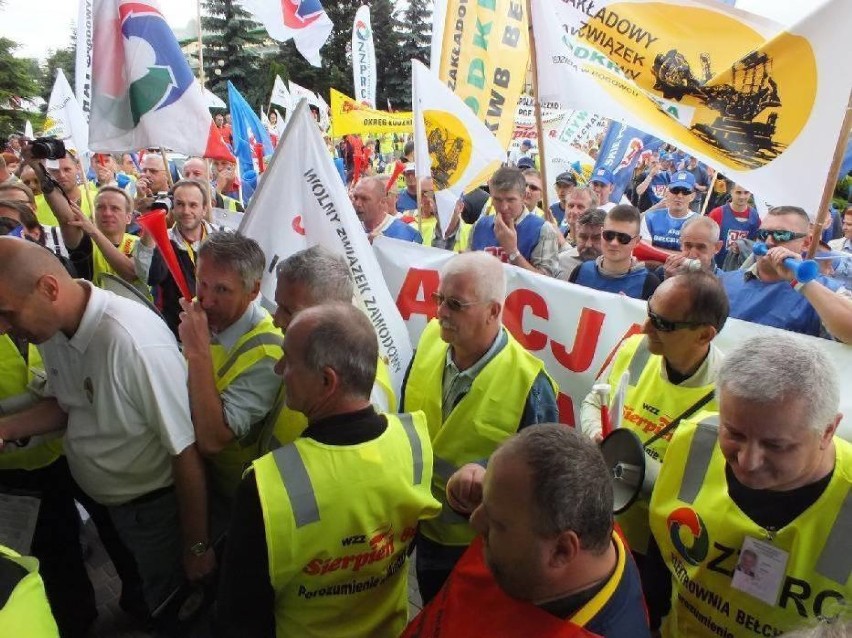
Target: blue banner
(620,152)
(247,129)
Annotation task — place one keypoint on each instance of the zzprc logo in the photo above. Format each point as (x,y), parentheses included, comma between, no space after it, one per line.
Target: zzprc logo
(686,518)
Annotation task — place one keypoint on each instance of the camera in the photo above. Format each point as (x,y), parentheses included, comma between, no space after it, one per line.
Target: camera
(49,148)
(162,201)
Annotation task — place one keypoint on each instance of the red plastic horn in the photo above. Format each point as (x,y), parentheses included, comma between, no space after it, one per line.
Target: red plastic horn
(154,223)
(397,171)
(645,252)
(358,163)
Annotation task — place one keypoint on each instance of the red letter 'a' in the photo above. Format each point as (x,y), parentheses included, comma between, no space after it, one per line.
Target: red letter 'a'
(409,302)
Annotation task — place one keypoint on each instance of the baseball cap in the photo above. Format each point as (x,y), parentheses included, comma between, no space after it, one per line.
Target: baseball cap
(566,177)
(602,175)
(527,143)
(525,162)
(682,179)
(410,168)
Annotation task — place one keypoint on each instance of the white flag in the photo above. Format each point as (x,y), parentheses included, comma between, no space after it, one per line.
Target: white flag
(213,100)
(83,66)
(301,203)
(762,103)
(450,138)
(65,118)
(280,94)
(303,20)
(28,130)
(298,92)
(364,58)
(439,17)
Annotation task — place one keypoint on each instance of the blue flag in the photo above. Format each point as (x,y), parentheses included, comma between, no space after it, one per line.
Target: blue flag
(246,128)
(620,152)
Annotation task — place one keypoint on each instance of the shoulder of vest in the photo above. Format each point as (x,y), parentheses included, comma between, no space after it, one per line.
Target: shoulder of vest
(11,574)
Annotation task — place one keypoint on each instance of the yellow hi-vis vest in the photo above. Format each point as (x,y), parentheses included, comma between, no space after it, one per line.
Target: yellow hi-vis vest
(488,415)
(650,404)
(100,264)
(262,341)
(700,532)
(24,610)
(339,520)
(287,424)
(15,376)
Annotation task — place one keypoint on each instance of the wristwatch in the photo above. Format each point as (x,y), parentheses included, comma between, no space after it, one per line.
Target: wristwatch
(199,548)
(514,256)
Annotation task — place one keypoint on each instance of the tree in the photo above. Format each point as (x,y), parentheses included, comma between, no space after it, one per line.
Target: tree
(232,50)
(393,68)
(416,22)
(16,81)
(64,59)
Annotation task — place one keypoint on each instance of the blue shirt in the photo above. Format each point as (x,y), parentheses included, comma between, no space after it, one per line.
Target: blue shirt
(405,201)
(398,229)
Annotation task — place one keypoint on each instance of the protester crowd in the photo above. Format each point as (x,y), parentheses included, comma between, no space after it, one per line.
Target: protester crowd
(262,460)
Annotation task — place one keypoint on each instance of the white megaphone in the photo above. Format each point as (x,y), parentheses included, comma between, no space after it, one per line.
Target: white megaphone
(633,472)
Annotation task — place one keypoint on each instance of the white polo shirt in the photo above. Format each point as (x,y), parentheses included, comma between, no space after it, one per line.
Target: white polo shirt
(122,381)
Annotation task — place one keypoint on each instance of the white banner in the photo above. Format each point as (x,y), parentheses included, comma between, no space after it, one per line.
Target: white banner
(65,118)
(572,329)
(83,64)
(301,202)
(761,102)
(280,94)
(364,58)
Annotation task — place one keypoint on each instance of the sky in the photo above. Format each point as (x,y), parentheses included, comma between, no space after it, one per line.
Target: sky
(50,28)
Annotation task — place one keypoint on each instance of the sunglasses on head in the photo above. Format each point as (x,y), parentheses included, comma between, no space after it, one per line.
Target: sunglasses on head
(680,191)
(779,236)
(623,238)
(452,303)
(664,325)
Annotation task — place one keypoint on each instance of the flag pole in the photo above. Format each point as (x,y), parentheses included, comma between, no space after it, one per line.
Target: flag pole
(166,164)
(200,44)
(709,192)
(539,127)
(86,192)
(839,150)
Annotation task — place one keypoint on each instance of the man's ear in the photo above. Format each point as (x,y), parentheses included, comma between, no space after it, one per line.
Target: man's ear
(48,286)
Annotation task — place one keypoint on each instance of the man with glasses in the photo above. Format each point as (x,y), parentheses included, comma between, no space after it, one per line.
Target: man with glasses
(459,378)
(532,196)
(672,366)
(617,270)
(766,291)
(661,228)
(154,178)
(514,234)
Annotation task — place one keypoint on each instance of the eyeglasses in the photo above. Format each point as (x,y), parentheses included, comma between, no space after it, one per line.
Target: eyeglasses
(152,170)
(452,303)
(623,238)
(779,236)
(680,191)
(533,187)
(665,325)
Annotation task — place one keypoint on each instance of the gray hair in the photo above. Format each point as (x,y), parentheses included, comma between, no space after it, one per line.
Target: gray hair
(593,217)
(589,191)
(324,273)
(571,485)
(702,221)
(243,254)
(779,367)
(344,340)
(485,269)
(507,178)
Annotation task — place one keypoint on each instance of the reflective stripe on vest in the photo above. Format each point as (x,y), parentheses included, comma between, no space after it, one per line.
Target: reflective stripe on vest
(258,340)
(416,447)
(700,534)
(294,474)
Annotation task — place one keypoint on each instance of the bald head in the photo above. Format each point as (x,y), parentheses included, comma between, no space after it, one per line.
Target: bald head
(25,262)
(195,168)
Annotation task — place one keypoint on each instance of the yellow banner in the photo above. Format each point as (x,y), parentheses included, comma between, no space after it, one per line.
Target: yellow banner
(484,59)
(350,117)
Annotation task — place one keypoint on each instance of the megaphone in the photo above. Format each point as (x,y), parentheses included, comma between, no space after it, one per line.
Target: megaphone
(646,252)
(155,224)
(804,271)
(633,472)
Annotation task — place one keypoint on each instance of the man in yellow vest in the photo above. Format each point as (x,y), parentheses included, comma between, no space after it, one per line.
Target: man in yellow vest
(306,279)
(672,366)
(67,176)
(322,526)
(24,610)
(547,562)
(765,475)
(231,347)
(458,377)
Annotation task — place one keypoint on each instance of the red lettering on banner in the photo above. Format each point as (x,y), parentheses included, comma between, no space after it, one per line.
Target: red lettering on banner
(513,317)
(585,342)
(566,409)
(410,301)
(634,329)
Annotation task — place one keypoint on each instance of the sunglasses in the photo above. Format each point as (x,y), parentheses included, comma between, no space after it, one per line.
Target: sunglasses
(452,303)
(664,325)
(779,236)
(623,238)
(680,191)
(533,187)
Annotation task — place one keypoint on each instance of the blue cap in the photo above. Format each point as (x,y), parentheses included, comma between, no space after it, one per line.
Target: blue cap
(683,179)
(527,143)
(602,175)
(525,162)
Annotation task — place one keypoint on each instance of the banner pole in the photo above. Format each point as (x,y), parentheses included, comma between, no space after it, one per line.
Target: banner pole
(85,187)
(539,127)
(200,43)
(839,150)
(709,192)
(166,164)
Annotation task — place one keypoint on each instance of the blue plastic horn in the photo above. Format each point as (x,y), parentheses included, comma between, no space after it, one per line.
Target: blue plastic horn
(804,271)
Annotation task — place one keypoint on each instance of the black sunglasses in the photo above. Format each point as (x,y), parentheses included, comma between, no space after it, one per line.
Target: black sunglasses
(779,236)
(533,187)
(664,325)
(623,238)
(452,303)
(680,191)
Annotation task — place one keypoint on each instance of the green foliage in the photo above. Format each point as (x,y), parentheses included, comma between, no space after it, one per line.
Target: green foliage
(59,59)
(16,81)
